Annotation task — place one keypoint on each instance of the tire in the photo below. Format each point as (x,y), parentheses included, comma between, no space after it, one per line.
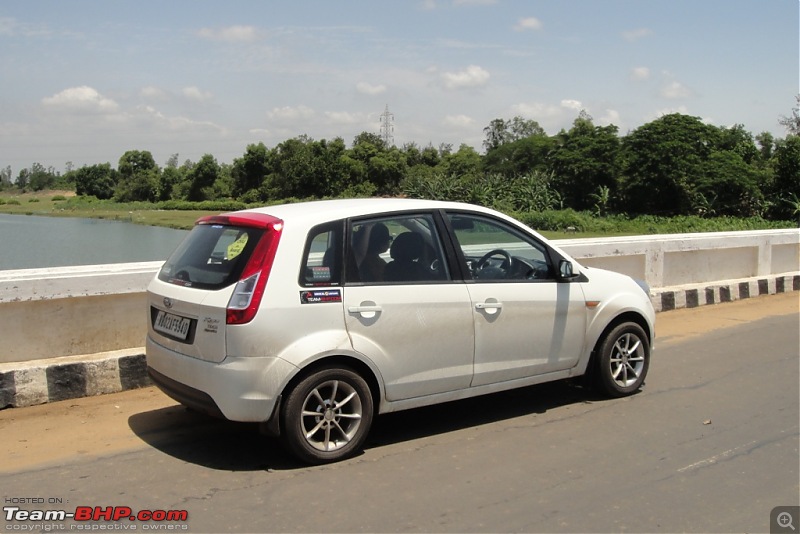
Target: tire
(327,416)
(622,361)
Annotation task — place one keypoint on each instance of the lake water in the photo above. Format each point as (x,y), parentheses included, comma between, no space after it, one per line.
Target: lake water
(29,242)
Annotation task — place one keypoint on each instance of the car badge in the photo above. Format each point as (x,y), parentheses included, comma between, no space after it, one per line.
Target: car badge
(168,302)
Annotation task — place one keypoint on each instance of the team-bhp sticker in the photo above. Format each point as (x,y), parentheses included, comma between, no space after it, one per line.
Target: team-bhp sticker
(316,296)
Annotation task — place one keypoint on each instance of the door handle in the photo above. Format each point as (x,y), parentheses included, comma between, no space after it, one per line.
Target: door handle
(364,309)
(488,305)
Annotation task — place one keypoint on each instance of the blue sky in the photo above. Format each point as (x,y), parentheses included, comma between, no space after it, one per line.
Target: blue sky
(86,80)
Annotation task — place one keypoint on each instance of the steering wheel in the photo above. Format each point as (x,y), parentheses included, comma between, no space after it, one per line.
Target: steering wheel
(490,272)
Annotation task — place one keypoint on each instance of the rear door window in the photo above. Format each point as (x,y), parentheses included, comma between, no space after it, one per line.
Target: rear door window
(322,263)
(396,249)
(211,257)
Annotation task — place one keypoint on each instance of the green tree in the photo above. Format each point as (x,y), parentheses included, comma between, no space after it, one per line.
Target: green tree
(40,178)
(5,177)
(727,185)
(250,171)
(738,140)
(585,162)
(464,162)
(138,177)
(785,188)
(662,160)
(202,178)
(519,157)
(168,181)
(96,180)
(792,122)
(133,162)
(500,131)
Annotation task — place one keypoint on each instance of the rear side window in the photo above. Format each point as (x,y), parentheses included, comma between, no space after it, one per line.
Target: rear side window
(322,256)
(211,257)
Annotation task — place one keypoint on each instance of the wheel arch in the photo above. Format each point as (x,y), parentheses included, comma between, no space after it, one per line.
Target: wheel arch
(624,317)
(274,426)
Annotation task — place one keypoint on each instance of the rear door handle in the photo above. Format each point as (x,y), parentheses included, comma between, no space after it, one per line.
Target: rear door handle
(367,310)
(364,309)
(488,305)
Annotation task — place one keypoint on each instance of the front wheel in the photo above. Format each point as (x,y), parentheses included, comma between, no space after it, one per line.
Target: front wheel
(622,360)
(327,416)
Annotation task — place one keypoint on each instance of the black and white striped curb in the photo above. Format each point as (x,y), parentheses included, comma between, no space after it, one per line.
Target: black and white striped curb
(38,382)
(707,294)
(42,381)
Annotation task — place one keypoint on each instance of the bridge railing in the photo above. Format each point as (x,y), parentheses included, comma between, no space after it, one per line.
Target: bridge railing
(55,318)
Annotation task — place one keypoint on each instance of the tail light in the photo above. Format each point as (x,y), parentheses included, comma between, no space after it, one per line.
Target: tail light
(243,304)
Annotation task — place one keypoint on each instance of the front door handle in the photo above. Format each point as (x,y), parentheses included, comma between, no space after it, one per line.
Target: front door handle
(489,306)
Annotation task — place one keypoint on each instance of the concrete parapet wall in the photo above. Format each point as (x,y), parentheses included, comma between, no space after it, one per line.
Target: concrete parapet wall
(679,259)
(68,332)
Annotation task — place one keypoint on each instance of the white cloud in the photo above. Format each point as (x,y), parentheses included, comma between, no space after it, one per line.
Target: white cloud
(428,5)
(472,76)
(640,73)
(194,93)
(289,113)
(230,34)
(153,93)
(10,27)
(83,98)
(173,123)
(528,23)
(369,89)
(666,111)
(675,90)
(344,117)
(635,35)
(611,116)
(460,121)
(572,104)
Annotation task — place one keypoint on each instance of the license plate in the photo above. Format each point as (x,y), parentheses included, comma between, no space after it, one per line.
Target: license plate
(173,325)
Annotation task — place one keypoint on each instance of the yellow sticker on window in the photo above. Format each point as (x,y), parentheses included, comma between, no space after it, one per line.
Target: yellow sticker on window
(236,248)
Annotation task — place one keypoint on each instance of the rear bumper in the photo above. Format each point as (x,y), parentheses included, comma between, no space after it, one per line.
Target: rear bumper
(188,396)
(238,389)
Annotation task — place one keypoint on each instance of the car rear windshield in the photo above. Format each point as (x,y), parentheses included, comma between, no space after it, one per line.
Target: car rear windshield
(211,257)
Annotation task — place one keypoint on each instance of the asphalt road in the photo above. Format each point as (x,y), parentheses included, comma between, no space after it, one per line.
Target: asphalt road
(710,445)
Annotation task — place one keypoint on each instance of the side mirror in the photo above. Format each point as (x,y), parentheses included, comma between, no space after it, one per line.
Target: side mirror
(565,270)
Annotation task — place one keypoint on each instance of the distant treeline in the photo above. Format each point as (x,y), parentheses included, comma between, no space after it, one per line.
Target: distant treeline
(674,165)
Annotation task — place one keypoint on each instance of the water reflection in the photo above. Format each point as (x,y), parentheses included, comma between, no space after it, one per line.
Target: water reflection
(29,241)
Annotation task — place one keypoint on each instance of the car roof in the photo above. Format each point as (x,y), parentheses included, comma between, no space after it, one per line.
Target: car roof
(319,211)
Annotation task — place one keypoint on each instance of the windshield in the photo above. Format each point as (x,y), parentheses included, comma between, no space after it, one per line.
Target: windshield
(211,257)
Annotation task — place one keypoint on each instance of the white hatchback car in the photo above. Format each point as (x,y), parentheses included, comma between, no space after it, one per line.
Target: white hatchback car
(312,318)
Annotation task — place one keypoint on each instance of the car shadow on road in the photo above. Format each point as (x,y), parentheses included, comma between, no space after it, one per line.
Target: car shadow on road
(224,445)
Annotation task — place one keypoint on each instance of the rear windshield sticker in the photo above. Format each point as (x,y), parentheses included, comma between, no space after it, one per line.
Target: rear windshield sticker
(316,296)
(236,248)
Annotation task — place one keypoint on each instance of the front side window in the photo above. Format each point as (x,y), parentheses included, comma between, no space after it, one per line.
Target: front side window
(496,251)
(398,249)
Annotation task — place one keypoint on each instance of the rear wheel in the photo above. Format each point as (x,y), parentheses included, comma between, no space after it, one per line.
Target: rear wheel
(327,416)
(622,360)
